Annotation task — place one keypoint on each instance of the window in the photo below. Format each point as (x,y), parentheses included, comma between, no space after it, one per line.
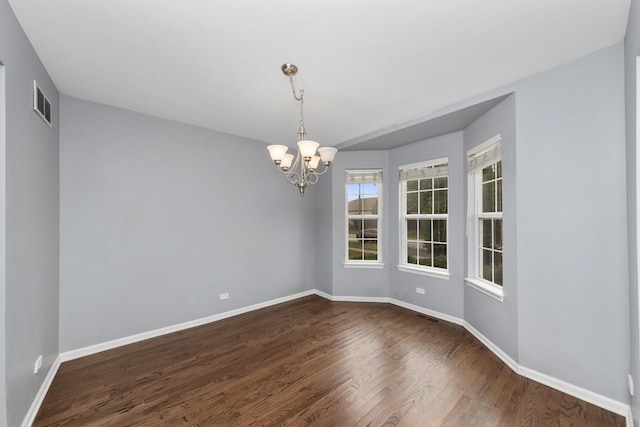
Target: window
(485,198)
(489,222)
(363,214)
(424,208)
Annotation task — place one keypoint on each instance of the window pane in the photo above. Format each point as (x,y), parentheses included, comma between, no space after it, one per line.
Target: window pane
(425,254)
(497,234)
(355,249)
(488,173)
(425,230)
(370,250)
(485,229)
(439,255)
(499,196)
(440,230)
(440,182)
(426,202)
(486,265)
(355,227)
(370,230)
(498,268)
(412,229)
(412,185)
(371,223)
(412,252)
(440,202)
(369,189)
(499,169)
(370,205)
(488,197)
(412,203)
(426,184)
(354,206)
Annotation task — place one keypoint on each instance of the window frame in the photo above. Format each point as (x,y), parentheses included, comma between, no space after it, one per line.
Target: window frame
(403,265)
(364,263)
(475,191)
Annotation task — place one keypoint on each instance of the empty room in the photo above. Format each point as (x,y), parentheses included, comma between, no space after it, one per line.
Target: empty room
(356,213)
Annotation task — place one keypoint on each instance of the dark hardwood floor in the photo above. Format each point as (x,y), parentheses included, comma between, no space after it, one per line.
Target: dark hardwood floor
(309,362)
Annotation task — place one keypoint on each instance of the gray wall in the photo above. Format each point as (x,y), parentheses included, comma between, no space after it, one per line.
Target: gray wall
(370,282)
(3,253)
(158,218)
(444,296)
(496,320)
(32,217)
(572,235)
(323,236)
(631,51)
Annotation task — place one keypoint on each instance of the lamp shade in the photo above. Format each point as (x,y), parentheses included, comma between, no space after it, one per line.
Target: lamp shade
(307,148)
(277,152)
(286,161)
(327,154)
(313,163)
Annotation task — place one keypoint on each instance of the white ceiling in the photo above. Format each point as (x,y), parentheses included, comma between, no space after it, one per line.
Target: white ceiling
(365,65)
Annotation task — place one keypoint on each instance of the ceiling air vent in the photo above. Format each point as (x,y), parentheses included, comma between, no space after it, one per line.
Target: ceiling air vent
(41,104)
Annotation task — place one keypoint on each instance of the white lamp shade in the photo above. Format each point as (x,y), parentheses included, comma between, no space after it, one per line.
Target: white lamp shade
(286,161)
(327,154)
(277,152)
(307,148)
(313,164)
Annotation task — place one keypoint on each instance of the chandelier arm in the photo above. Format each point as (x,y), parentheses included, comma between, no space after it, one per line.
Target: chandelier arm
(312,178)
(293,178)
(325,170)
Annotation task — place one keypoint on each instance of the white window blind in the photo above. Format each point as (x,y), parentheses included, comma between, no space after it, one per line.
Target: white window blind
(425,172)
(361,176)
(481,160)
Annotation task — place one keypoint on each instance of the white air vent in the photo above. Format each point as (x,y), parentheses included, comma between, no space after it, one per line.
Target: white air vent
(41,104)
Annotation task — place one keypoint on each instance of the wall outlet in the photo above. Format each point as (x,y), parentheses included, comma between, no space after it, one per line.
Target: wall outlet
(630,384)
(224,295)
(38,365)
(420,291)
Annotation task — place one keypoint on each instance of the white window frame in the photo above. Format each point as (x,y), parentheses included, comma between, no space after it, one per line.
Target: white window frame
(403,265)
(375,177)
(491,150)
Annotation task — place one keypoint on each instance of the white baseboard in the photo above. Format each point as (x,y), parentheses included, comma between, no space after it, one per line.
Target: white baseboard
(630,418)
(579,392)
(97,348)
(563,386)
(42,392)
(491,346)
(428,312)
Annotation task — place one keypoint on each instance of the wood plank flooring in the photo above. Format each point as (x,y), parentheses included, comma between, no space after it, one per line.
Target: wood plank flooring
(309,362)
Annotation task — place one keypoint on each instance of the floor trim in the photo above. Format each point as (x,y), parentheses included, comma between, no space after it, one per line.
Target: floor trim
(97,348)
(563,386)
(30,417)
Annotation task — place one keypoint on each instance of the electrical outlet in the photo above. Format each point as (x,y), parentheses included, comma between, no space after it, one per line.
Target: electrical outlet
(420,291)
(630,384)
(224,295)
(38,365)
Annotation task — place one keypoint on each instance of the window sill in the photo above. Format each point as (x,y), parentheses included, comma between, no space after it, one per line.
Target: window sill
(423,271)
(494,291)
(351,264)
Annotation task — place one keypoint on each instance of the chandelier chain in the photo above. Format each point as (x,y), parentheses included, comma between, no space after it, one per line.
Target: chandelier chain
(300,99)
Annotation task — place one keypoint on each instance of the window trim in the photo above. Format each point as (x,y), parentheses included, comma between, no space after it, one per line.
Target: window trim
(476,281)
(403,265)
(364,263)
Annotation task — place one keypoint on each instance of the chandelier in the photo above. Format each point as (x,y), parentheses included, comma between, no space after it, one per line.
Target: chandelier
(302,171)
